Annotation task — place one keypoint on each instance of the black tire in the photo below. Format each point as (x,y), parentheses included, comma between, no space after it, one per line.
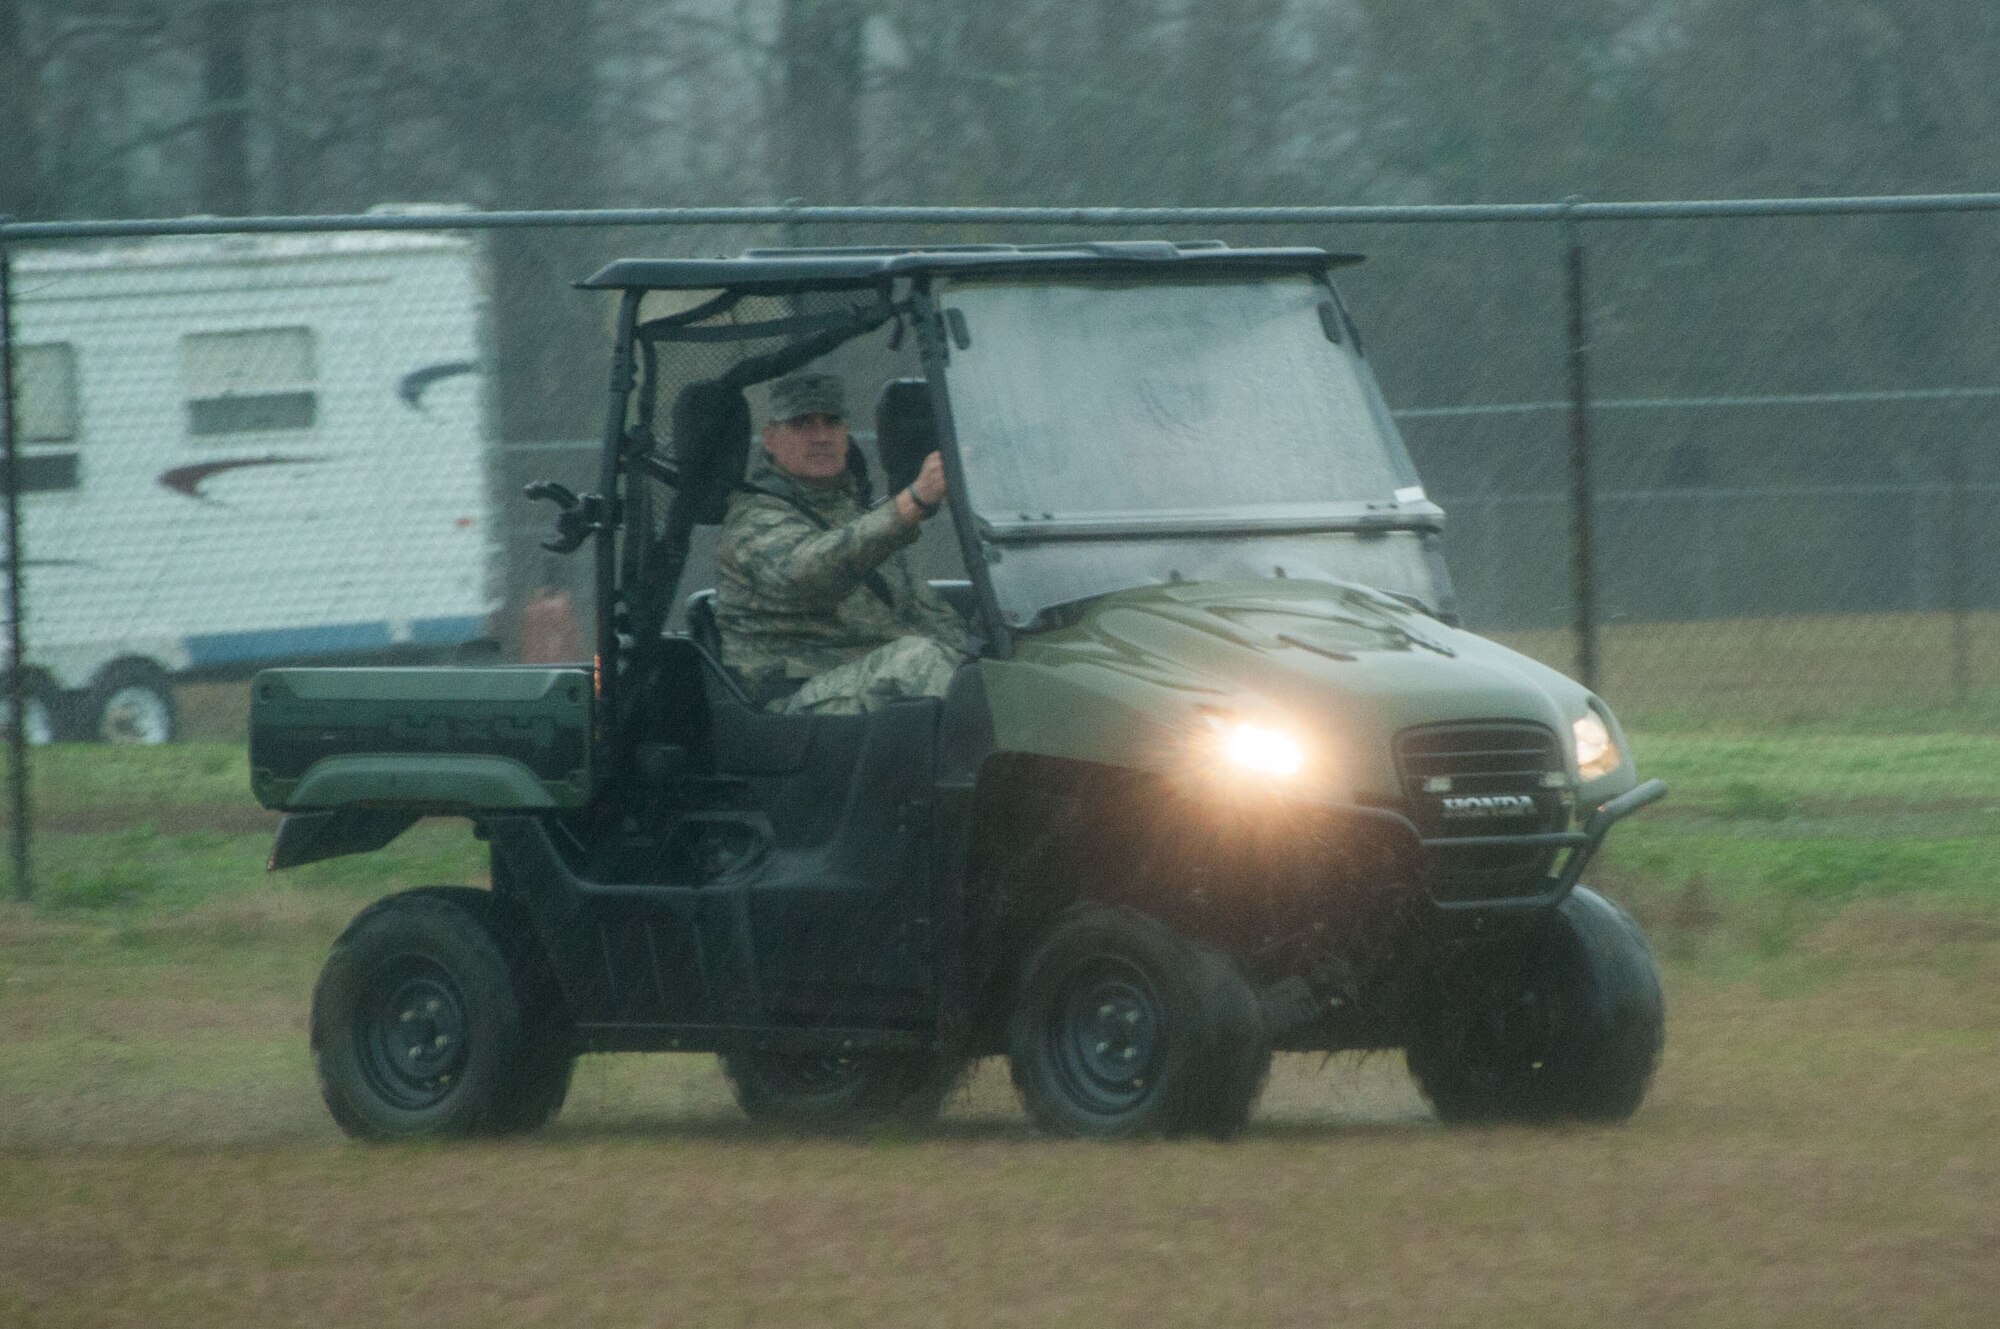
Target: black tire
(46,720)
(843,1091)
(1239,1053)
(539,1084)
(1565,1021)
(419,1027)
(132,705)
(1122,1028)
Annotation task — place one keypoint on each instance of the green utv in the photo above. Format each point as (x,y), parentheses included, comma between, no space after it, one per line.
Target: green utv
(1224,778)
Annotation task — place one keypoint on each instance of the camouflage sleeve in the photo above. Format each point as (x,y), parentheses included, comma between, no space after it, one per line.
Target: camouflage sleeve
(788,559)
(939,620)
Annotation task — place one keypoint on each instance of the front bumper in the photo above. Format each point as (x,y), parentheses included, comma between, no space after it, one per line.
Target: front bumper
(1582,845)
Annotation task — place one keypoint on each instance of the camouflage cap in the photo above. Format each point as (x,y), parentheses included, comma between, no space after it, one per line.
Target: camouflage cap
(807,394)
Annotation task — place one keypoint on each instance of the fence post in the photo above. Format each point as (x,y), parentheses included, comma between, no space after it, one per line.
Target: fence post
(1955,554)
(792,230)
(1581,492)
(17,674)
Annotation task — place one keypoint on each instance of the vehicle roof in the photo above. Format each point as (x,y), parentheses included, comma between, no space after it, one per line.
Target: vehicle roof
(783,270)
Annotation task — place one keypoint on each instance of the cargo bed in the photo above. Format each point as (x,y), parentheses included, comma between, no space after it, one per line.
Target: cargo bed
(436,740)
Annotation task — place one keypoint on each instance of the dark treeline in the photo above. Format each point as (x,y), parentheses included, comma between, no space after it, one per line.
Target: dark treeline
(161,107)
(119,107)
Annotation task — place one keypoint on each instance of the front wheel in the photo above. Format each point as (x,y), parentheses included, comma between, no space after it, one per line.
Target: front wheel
(1124,1028)
(1564,1021)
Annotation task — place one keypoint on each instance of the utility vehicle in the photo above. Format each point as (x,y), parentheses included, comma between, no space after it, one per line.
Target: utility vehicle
(1223,779)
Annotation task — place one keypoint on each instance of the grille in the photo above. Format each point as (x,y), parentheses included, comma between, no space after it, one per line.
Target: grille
(1484,779)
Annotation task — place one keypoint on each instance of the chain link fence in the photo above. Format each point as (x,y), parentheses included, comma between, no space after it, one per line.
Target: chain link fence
(1794,488)
(306,439)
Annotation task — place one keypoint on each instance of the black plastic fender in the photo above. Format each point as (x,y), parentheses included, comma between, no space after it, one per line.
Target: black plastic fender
(308,837)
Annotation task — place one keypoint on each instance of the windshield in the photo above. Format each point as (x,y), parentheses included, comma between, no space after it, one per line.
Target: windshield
(1102,398)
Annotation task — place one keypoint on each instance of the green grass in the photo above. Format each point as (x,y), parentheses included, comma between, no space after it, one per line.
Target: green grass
(1800,858)
(1848,673)
(137,836)
(72,778)
(145,872)
(1774,831)
(1718,768)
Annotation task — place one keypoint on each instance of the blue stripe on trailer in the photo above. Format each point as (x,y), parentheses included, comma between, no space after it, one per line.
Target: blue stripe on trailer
(446,631)
(218,648)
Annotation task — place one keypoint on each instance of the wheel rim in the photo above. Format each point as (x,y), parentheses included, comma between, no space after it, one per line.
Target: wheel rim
(1105,1036)
(136,716)
(1512,1022)
(412,1034)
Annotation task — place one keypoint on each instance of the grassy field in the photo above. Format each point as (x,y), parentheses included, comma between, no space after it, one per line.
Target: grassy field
(1822,1146)
(1840,672)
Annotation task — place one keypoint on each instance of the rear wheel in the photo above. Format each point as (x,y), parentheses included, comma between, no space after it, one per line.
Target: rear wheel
(132,704)
(1124,1028)
(546,1059)
(1566,1021)
(828,1092)
(424,1024)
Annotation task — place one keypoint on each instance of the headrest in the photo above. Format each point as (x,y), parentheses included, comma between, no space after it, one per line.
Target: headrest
(711,441)
(905,429)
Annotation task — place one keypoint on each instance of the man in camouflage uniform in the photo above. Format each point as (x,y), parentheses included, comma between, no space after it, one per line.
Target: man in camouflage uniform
(816,604)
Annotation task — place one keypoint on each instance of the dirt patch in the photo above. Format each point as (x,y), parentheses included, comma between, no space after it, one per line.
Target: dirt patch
(1896,934)
(1818,1159)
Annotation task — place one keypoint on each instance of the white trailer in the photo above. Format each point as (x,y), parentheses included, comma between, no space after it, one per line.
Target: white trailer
(239,450)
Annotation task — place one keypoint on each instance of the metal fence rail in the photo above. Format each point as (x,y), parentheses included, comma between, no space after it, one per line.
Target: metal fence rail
(1573,209)
(1554,573)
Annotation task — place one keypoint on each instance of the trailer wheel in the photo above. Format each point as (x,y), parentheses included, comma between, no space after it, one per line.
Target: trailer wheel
(1123,1028)
(1566,1021)
(817,1093)
(40,709)
(417,1026)
(132,705)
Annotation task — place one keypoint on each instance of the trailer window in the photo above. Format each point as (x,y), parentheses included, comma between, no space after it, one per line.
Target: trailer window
(255,381)
(45,413)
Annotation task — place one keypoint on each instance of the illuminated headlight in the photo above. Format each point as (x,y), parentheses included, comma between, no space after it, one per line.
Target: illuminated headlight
(1596,754)
(1257,748)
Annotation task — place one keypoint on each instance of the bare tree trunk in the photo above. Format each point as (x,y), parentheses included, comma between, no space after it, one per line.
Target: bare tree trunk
(225,90)
(818,152)
(543,154)
(543,93)
(992,58)
(1226,60)
(537,147)
(19,139)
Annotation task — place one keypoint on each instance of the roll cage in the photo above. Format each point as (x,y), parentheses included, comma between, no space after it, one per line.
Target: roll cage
(807,303)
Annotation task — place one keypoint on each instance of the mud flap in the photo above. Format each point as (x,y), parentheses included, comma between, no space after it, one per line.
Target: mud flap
(308,837)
